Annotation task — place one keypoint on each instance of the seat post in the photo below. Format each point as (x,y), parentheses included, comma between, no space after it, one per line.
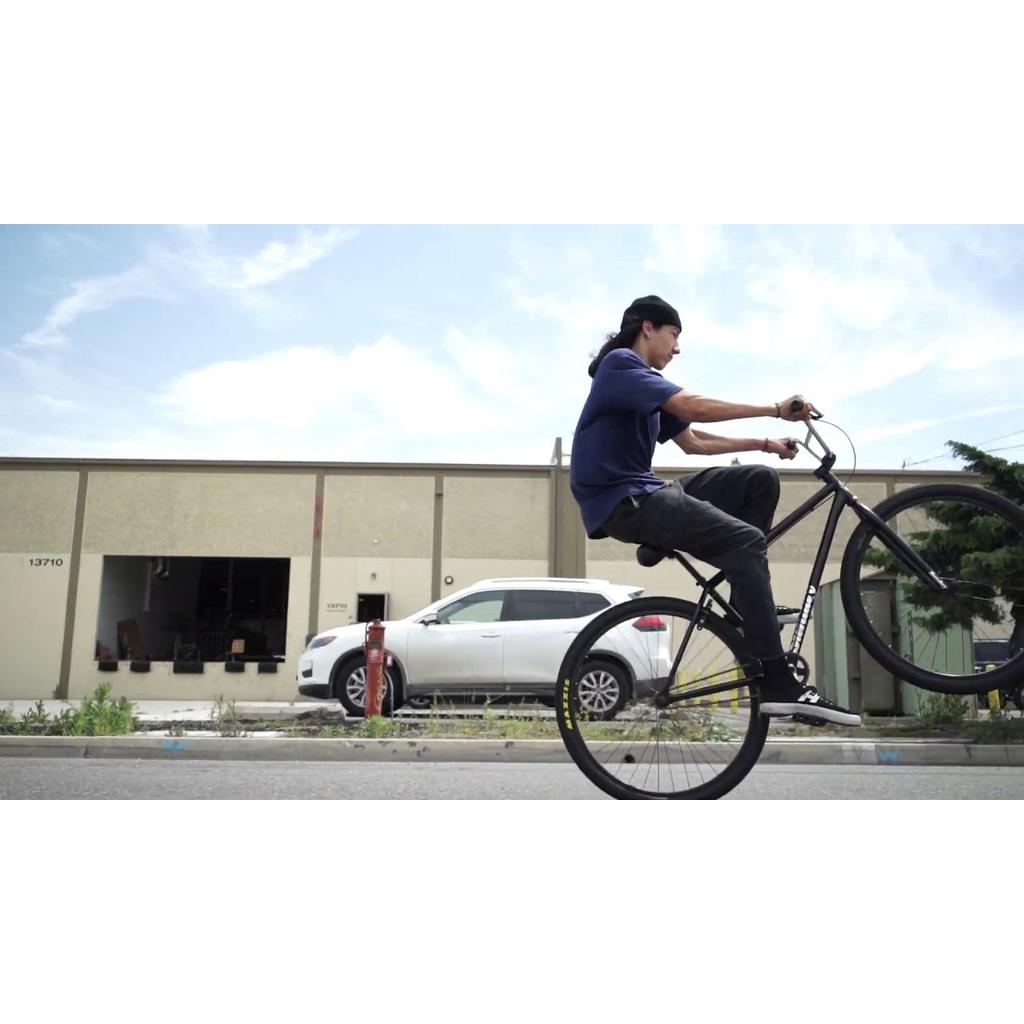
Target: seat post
(649,557)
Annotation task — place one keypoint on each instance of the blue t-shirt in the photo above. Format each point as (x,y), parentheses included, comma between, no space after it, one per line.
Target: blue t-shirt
(615,437)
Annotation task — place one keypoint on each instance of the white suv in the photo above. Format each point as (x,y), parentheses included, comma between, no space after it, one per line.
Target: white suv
(501,636)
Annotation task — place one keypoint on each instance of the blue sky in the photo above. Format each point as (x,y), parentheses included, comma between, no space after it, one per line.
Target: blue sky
(470,343)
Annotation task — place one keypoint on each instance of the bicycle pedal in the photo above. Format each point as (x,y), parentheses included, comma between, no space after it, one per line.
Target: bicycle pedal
(807,720)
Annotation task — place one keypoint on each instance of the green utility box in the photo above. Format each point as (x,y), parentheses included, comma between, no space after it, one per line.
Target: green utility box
(849,675)
(846,672)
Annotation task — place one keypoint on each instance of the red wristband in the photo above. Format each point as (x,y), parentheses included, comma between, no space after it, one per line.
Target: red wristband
(764,447)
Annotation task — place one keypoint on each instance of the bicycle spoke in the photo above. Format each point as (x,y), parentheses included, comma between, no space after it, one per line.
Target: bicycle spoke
(653,747)
(940,639)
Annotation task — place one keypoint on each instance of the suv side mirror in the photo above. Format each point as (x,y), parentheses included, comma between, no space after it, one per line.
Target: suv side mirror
(429,620)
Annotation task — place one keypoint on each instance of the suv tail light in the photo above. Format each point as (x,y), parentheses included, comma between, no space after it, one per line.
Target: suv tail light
(650,624)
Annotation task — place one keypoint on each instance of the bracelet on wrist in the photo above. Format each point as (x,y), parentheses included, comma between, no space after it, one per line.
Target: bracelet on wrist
(778,411)
(764,446)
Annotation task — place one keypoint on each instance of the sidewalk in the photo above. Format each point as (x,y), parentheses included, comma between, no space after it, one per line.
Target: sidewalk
(854,747)
(190,710)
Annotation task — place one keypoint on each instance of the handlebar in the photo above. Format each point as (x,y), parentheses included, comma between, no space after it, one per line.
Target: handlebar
(796,405)
(828,459)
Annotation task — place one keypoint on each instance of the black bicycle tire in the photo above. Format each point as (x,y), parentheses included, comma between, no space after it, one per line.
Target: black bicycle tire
(749,751)
(849,587)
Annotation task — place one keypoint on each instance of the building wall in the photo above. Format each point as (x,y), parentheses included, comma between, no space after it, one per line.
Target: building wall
(493,526)
(37,517)
(399,530)
(240,514)
(378,533)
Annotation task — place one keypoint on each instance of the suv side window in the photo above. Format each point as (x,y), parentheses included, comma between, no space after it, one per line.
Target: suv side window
(590,604)
(482,607)
(529,605)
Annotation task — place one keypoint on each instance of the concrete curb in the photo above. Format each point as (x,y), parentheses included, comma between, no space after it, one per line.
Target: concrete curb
(217,748)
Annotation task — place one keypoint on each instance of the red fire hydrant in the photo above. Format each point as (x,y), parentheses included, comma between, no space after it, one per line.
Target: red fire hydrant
(374,651)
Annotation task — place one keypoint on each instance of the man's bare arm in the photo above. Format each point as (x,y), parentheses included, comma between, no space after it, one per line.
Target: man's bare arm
(698,409)
(697,442)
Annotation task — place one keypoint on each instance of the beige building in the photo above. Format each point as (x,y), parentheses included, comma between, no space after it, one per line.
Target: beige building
(196,579)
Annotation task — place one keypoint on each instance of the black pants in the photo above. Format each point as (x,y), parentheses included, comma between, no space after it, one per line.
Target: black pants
(720,516)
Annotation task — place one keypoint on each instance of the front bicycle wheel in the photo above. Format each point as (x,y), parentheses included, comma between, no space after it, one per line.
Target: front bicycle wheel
(965,638)
(688,725)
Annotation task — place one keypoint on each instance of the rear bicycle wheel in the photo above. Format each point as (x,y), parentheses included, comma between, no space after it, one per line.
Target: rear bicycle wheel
(669,739)
(966,639)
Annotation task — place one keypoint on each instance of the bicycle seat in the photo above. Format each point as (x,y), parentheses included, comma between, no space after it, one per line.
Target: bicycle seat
(649,556)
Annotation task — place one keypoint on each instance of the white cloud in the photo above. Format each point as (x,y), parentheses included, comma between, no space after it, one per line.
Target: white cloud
(90,296)
(834,313)
(155,279)
(587,313)
(273,262)
(384,386)
(685,252)
(489,365)
(899,429)
(277,259)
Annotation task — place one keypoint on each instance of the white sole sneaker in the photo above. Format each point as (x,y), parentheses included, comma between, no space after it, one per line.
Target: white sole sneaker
(794,707)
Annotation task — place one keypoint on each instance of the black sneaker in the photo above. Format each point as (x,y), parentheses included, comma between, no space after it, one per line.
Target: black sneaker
(806,702)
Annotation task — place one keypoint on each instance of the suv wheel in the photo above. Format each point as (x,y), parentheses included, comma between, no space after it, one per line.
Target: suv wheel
(603,689)
(350,688)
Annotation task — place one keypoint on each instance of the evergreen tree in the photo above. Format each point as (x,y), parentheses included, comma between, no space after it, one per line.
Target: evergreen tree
(970,545)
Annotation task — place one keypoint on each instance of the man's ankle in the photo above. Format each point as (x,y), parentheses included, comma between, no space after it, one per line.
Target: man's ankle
(778,676)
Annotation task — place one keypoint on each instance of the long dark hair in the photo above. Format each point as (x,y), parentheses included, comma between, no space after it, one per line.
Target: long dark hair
(626,338)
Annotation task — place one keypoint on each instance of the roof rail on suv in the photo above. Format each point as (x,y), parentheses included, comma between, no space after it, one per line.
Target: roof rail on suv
(542,579)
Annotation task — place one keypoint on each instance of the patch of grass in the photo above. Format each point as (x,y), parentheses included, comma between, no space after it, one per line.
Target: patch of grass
(998,730)
(97,715)
(380,727)
(226,719)
(943,709)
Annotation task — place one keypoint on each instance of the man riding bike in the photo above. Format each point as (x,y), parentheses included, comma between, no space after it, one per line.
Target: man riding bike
(719,515)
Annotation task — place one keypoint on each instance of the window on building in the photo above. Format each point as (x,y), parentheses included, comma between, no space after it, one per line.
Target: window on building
(193,609)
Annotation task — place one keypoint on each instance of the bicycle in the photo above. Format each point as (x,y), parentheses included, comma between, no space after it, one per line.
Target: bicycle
(913,596)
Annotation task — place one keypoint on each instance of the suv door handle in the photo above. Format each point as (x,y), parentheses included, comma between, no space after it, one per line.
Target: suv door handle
(490,635)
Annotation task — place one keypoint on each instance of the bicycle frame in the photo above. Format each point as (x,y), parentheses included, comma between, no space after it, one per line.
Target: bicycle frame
(842,498)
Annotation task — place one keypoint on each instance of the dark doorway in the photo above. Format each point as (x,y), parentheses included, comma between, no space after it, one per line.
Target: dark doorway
(371,606)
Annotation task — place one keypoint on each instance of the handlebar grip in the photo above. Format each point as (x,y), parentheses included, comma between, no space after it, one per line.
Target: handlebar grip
(796,405)
(791,444)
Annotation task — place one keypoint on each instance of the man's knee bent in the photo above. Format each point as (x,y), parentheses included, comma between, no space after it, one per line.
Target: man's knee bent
(748,543)
(766,478)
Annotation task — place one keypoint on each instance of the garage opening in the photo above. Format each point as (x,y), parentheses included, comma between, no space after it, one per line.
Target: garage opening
(193,609)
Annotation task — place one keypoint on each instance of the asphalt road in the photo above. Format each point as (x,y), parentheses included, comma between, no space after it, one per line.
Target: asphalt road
(88,779)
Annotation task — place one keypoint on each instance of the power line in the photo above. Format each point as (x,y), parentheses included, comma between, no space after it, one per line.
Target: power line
(935,458)
(987,451)
(1001,436)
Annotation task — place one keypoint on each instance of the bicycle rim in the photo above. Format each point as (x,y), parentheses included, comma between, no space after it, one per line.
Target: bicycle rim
(967,638)
(667,740)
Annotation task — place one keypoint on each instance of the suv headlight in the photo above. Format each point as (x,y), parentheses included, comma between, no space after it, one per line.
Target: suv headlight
(320,641)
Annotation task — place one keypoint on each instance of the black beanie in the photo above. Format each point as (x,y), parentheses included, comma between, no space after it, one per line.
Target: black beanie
(652,308)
